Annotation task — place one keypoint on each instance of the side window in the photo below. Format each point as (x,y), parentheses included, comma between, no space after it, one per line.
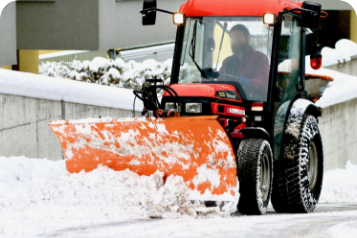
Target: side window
(289,57)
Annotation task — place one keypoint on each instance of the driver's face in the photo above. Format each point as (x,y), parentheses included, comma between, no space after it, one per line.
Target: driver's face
(238,41)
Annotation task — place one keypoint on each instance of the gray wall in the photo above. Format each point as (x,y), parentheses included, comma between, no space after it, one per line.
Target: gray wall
(90,24)
(62,24)
(338,126)
(24,126)
(349,67)
(120,24)
(8,35)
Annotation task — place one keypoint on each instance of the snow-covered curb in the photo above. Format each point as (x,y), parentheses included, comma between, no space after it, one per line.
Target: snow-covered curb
(39,86)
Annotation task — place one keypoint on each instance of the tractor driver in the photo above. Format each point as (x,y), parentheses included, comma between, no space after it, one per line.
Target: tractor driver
(249,67)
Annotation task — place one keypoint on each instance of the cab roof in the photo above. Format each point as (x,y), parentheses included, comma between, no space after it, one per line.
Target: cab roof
(257,8)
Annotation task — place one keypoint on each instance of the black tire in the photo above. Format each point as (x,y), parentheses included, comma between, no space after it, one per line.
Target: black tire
(254,159)
(279,196)
(305,168)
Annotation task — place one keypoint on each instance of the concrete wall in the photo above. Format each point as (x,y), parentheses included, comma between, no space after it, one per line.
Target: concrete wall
(24,127)
(8,35)
(62,24)
(24,124)
(349,67)
(338,126)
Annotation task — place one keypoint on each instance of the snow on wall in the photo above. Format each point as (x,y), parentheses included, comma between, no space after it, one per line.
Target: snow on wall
(344,50)
(39,86)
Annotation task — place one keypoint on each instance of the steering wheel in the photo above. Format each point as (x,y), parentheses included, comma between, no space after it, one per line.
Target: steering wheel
(229,76)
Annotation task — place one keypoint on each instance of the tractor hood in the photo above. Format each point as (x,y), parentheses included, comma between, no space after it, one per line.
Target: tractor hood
(221,91)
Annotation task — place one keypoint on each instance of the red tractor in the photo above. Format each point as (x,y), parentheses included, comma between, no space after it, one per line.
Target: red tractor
(239,105)
(245,61)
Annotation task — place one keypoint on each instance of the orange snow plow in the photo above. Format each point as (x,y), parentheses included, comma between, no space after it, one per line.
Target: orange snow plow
(195,148)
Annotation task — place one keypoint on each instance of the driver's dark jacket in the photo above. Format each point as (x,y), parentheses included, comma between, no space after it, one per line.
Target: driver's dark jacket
(254,66)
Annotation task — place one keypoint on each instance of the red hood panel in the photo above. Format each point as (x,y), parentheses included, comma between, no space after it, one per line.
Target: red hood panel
(200,90)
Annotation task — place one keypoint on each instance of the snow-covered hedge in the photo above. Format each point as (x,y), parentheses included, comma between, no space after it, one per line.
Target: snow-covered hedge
(109,72)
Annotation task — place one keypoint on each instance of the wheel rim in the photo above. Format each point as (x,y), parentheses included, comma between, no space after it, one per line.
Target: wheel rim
(265,177)
(313,165)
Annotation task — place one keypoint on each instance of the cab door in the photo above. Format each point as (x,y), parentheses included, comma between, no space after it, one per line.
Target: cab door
(288,77)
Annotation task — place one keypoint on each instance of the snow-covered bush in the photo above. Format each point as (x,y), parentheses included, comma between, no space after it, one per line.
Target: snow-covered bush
(109,72)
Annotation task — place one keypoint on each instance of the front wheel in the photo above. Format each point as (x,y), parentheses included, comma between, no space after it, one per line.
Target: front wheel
(255,176)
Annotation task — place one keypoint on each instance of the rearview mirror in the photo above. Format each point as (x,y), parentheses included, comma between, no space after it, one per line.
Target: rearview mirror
(149,17)
(309,18)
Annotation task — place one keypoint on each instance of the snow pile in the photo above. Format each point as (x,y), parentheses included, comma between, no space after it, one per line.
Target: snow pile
(343,52)
(41,195)
(28,182)
(340,185)
(116,73)
(40,86)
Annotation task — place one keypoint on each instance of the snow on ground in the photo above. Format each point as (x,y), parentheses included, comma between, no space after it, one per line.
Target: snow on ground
(39,86)
(39,196)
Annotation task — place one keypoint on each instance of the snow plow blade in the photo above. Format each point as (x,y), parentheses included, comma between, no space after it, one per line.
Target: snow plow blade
(195,148)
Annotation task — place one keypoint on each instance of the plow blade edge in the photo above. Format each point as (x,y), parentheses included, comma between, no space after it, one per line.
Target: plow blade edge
(195,148)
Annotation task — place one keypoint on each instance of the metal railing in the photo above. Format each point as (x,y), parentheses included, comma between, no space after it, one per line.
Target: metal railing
(67,57)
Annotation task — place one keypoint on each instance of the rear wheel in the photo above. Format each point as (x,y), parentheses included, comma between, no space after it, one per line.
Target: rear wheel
(279,196)
(255,176)
(305,168)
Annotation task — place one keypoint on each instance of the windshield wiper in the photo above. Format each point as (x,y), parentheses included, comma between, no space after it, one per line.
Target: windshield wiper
(192,50)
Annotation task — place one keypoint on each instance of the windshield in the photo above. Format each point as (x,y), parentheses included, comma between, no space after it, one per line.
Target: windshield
(228,49)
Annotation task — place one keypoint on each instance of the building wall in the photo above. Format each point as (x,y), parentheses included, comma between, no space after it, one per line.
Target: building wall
(28,61)
(62,24)
(353,26)
(6,67)
(120,24)
(24,122)
(8,35)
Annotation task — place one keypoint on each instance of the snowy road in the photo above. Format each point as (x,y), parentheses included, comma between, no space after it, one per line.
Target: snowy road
(329,220)
(39,198)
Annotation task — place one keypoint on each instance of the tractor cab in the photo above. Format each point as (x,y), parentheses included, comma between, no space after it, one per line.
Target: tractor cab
(239,61)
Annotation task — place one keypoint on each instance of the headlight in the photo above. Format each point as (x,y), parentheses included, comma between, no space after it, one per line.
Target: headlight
(193,108)
(169,106)
(269,19)
(178,18)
